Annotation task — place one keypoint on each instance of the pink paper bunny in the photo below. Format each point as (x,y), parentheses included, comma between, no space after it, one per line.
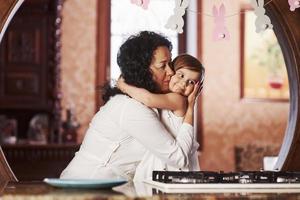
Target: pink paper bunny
(143,3)
(220,31)
(294,4)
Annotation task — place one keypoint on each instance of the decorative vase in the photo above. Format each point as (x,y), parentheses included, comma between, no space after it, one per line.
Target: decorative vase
(70,127)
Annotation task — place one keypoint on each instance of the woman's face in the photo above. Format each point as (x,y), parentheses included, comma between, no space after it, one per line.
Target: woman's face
(183,82)
(160,68)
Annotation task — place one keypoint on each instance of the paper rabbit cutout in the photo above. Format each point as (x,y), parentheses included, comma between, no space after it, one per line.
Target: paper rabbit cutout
(220,31)
(262,21)
(294,4)
(175,21)
(143,3)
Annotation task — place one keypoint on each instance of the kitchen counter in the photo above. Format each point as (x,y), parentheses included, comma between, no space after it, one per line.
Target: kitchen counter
(39,190)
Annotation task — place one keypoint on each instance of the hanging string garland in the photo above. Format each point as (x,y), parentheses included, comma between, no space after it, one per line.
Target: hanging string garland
(175,21)
(220,32)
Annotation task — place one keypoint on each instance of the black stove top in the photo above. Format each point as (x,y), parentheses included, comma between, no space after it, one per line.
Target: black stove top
(243,177)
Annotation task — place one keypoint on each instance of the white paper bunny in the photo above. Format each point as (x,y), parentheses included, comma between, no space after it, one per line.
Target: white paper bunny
(220,31)
(294,4)
(262,21)
(175,21)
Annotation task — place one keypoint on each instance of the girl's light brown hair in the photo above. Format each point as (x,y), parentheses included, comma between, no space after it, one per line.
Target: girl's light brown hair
(187,61)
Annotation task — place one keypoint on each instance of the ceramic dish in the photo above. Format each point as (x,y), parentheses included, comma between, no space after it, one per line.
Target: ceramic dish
(84,183)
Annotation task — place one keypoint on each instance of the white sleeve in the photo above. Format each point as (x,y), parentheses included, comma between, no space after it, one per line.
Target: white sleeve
(143,124)
(193,157)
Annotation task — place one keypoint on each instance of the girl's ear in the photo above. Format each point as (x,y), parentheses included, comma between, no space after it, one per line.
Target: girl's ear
(215,11)
(222,10)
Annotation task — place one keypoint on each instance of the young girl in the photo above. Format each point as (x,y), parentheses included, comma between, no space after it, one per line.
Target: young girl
(189,75)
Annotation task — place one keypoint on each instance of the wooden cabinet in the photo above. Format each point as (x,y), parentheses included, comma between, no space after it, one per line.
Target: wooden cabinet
(24,65)
(36,162)
(30,66)
(30,86)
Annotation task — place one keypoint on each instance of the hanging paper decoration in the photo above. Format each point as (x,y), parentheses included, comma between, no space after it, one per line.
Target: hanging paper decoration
(262,21)
(143,3)
(175,21)
(294,4)
(220,31)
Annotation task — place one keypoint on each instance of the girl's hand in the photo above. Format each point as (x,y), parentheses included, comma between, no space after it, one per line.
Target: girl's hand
(189,115)
(193,96)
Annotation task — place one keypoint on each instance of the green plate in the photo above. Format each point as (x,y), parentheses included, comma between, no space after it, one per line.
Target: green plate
(84,183)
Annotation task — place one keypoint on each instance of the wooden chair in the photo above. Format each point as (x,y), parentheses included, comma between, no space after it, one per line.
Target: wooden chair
(6,173)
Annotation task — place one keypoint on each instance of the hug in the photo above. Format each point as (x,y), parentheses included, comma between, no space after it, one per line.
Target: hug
(146,122)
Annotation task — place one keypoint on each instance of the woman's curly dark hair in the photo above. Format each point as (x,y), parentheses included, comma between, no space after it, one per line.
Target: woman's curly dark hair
(134,59)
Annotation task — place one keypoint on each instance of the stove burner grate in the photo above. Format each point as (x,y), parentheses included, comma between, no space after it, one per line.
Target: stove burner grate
(243,177)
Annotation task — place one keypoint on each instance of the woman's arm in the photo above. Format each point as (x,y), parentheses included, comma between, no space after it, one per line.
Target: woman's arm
(170,101)
(143,124)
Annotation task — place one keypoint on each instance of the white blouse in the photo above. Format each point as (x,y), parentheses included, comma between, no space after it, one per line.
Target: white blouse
(150,162)
(119,135)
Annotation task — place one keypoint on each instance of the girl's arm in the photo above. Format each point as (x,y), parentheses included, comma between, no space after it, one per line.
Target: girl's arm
(189,118)
(170,101)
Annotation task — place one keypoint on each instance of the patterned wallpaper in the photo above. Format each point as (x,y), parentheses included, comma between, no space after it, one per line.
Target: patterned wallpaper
(228,120)
(78,60)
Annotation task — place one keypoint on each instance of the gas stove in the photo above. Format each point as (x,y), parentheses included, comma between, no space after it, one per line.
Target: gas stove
(243,181)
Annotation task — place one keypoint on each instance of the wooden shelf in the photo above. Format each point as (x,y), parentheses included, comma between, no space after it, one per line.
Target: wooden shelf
(36,162)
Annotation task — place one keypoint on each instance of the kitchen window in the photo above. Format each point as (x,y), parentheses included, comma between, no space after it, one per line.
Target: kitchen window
(128,19)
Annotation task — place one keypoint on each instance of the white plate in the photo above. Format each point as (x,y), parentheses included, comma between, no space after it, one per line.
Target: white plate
(84,183)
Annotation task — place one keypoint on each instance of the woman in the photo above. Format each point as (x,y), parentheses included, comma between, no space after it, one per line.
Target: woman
(123,129)
(189,73)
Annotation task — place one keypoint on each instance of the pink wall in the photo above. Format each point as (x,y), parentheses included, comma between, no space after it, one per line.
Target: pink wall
(78,59)
(228,120)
